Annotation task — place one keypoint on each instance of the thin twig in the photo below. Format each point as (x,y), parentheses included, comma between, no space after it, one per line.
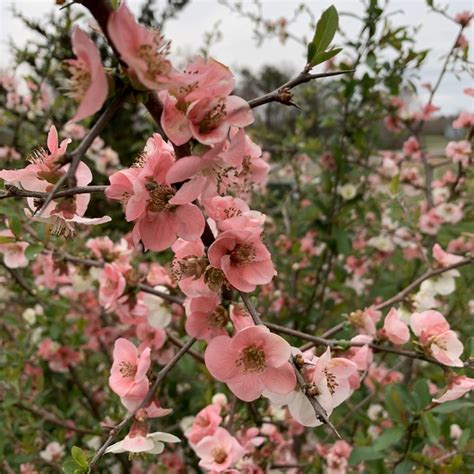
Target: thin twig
(283,94)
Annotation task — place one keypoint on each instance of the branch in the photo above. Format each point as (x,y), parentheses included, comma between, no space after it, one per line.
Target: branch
(13,192)
(151,393)
(49,417)
(429,274)
(283,94)
(343,343)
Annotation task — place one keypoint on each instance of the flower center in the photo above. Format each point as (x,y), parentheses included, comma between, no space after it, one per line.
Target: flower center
(79,81)
(218,318)
(212,118)
(219,455)
(127,369)
(252,359)
(331,381)
(154,57)
(243,253)
(159,196)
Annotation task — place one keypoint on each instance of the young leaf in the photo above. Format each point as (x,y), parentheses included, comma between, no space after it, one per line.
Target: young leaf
(33,250)
(319,58)
(79,456)
(324,34)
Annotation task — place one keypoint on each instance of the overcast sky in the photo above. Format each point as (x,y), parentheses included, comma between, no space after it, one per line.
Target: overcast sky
(238,48)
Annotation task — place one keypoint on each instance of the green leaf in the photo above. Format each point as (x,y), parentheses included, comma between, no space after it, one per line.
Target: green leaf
(71,467)
(454,405)
(79,456)
(388,438)
(6,240)
(343,242)
(15,226)
(319,58)
(432,427)
(33,250)
(394,184)
(422,392)
(405,467)
(324,34)
(365,453)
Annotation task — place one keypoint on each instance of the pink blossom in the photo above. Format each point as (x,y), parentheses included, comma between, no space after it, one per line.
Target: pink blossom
(112,286)
(205,423)
(437,339)
(362,356)
(430,222)
(13,250)
(412,148)
(365,321)
(463,18)
(243,258)
(445,259)
(53,452)
(465,120)
(252,361)
(146,195)
(219,451)
(457,387)
(208,120)
(459,151)
(395,329)
(128,372)
(88,84)
(206,318)
(330,379)
(42,174)
(144,51)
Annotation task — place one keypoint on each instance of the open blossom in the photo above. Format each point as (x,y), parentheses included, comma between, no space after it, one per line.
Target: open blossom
(412,148)
(146,195)
(395,329)
(443,258)
(464,120)
(457,387)
(112,286)
(219,451)
(128,372)
(459,151)
(437,339)
(143,50)
(42,174)
(243,258)
(88,84)
(53,452)
(252,361)
(204,424)
(206,318)
(13,250)
(140,441)
(200,106)
(330,380)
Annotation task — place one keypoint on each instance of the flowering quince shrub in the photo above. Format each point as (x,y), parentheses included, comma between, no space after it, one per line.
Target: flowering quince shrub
(209,286)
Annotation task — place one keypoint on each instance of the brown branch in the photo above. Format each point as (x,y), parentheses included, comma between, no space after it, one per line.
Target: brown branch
(343,344)
(49,417)
(429,274)
(151,393)
(283,94)
(13,192)
(179,343)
